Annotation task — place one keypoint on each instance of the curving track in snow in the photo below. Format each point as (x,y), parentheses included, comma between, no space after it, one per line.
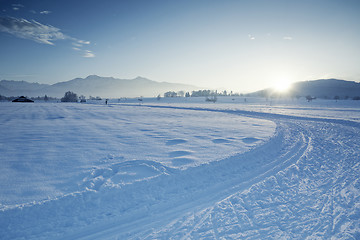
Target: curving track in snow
(310,190)
(302,183)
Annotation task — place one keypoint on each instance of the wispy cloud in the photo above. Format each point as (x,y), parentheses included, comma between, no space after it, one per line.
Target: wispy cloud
(31,30)
(45,12)
(287,38)
(85,53)
(83,42)
(41,33)
(78,44)
(88,54)
(251,37)
(17,7)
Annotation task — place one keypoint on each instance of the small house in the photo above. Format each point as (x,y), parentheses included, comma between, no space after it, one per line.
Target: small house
(22,99)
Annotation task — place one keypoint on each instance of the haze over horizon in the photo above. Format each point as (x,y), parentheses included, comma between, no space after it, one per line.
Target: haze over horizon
(239,45)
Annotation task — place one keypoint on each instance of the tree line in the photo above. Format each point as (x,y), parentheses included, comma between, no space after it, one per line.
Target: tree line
(200,93)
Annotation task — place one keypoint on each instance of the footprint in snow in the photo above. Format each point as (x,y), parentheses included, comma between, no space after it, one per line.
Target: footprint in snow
(250,140)
(145,130)
(175,154)
(175,142)
(221,140)
(55,117)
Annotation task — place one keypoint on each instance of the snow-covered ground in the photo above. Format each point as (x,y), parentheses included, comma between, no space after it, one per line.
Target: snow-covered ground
(180,168)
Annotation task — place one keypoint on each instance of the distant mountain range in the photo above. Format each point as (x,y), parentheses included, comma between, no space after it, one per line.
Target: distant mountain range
(93,86)
(114,88)
(322,88)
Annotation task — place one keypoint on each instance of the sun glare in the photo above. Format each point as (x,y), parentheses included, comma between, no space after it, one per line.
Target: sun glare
(282,86)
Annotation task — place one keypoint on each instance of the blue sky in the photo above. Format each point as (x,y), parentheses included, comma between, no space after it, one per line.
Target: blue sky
(237,45)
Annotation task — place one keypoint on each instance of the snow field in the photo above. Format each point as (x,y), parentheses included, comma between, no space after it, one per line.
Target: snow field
(180,170)
(319,108)
(49,150)
(59,160)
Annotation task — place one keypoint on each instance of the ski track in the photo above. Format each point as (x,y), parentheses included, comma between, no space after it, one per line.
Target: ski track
(301,184)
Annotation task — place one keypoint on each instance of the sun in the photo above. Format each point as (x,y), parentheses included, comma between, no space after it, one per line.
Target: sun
(282,85)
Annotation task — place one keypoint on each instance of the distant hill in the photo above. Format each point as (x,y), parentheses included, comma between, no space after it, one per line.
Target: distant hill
(322,88)
(327,88)
(93,86)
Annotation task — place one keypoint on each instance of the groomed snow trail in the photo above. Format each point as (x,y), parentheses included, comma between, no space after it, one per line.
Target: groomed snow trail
(313,193)
(303,183)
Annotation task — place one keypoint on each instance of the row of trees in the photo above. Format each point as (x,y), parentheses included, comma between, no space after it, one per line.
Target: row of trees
(72,97)
(200,93)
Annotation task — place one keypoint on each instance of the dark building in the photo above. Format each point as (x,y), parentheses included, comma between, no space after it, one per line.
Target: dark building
(22,99)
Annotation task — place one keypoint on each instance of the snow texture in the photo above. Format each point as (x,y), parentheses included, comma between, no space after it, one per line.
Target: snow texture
(180,169)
